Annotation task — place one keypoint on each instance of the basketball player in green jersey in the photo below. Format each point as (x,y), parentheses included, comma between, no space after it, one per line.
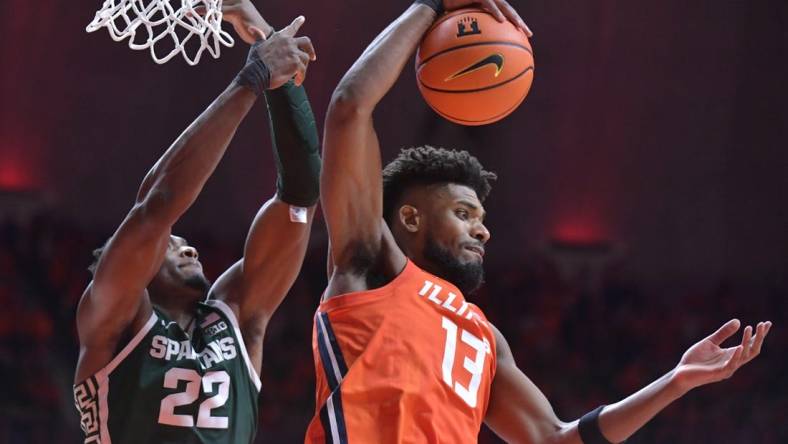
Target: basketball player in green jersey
(166,357)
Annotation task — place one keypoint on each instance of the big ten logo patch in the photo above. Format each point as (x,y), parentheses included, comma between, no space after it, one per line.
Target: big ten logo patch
(213,324)
(216,328)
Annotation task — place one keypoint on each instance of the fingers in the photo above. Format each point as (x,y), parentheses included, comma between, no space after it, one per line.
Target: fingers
(227,9)
(257,33)
(492,8)
(199,10)
(746,339)
(763,330)
(301,65)
(305,45)
(512,15)
(749,348)
(300,75)
(291,29)
(724,332)
(202,10)
(752,344)
(733,363)
(302,59)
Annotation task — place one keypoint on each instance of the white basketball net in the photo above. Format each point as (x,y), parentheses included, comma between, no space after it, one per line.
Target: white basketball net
(167,31)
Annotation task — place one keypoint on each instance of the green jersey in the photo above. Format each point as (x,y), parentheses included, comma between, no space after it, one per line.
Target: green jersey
(167,387)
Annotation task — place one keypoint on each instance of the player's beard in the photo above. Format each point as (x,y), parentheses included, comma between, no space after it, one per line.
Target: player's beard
(468,277)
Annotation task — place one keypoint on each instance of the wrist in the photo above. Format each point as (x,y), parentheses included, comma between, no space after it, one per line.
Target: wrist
(262,25)
(589,430)
(253,18)
(255,75)
(435,5)
(676,385)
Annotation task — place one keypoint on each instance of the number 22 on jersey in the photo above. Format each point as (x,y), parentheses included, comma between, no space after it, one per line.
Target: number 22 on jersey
(194,382)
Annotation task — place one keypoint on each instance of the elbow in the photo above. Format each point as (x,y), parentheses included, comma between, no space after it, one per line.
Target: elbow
(158,205)
(347,103)
(560,432)
(530,429)
(548,431)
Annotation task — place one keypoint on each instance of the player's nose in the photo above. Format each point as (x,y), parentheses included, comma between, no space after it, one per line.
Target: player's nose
(190,252)
(480,232)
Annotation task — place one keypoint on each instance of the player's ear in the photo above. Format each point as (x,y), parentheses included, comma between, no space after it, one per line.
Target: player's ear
(409,217)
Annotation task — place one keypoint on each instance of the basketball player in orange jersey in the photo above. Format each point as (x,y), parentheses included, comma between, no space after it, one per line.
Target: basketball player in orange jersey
(164,355)
(400,355)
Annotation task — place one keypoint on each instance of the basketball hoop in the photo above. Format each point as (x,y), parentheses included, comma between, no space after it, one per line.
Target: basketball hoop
(156,24)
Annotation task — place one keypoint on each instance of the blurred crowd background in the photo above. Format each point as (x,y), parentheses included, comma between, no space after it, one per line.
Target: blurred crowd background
(580,327)
(641,201)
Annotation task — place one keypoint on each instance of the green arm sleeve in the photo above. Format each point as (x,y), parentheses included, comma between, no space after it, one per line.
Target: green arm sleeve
(296,146)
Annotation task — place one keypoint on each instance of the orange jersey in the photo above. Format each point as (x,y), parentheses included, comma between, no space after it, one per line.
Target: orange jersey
(408,362)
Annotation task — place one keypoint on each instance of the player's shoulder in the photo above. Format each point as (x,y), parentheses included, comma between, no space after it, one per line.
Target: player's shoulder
(91,319)
(213,307)
(368,256)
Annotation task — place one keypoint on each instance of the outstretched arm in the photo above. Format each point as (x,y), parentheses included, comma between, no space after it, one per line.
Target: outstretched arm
(519,412)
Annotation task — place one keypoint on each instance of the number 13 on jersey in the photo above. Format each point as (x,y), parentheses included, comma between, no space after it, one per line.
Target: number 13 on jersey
(472,364)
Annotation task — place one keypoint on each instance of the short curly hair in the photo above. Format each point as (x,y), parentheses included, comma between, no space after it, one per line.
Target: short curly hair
(427,165)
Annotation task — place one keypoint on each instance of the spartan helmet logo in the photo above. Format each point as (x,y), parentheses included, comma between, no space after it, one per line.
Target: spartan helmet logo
(462,27)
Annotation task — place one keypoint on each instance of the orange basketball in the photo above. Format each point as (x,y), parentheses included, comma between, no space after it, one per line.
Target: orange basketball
(472,69)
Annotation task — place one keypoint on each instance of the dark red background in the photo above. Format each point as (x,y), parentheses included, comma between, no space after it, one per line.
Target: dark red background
(657,127)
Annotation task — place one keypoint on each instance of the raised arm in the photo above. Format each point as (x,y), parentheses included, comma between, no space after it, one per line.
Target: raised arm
(255,285)
(278,238)
(351,183)
(133,255)
(520,413)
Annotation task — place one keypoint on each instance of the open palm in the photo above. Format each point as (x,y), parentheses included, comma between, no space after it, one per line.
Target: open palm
(707,362)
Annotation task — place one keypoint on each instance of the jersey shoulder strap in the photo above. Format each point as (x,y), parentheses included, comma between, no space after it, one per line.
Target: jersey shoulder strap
(216,306)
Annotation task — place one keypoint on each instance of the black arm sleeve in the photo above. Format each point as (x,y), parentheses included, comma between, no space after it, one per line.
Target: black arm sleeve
(296,146)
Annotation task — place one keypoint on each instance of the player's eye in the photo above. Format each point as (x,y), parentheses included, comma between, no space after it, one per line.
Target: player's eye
(462,213)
